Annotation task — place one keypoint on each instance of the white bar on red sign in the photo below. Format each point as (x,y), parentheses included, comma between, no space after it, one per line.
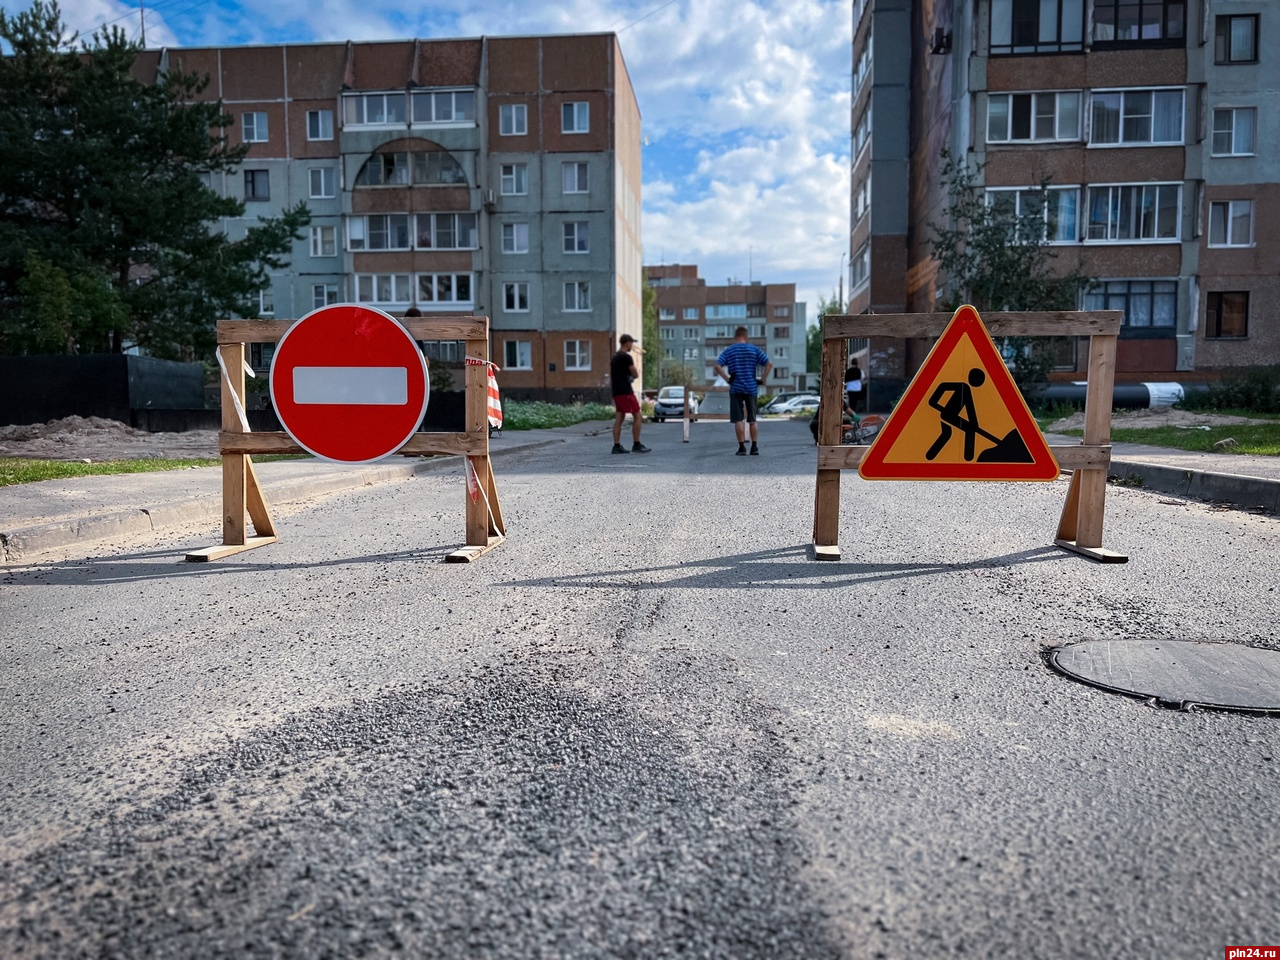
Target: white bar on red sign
(351,385)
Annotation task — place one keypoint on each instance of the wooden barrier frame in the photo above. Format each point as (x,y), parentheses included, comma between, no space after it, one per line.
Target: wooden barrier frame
(241,490)
(1080,527)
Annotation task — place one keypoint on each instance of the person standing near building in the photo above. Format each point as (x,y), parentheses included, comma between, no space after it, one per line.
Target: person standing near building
(737,363)
(853,387)
(622,374)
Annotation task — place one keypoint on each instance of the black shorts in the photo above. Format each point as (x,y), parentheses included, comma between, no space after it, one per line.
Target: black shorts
(742,406)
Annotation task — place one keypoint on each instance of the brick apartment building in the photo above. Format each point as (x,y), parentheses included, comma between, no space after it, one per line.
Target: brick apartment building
(1148,117)
(697,321)
(492,176)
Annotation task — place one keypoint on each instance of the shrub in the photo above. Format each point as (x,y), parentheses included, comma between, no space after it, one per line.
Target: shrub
(1251,389)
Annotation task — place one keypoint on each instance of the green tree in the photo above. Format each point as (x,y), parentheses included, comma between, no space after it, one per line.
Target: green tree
(995,258)
(813,335)
(652,344)
(107,235)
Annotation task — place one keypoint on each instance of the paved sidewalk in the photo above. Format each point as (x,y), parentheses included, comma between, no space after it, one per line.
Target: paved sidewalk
(39,517)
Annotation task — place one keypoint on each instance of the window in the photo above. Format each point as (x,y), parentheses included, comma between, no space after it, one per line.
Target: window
(1233,131)
(1131,22)
(257,185)
(1128,117)
(1030,117)
(860,267)
(782,333)
(319,124)
(266,303)
(1129,212)
(444,106)
(862,197)
(666,313)
(373,109)
(382,288)
(446,231)
(575,117)
(324,241)
(781,312)
(690,333)
(862,68)
(577,296)
(436,166)
(781,373)
(379,231)
(576,237)
(515,238)
(1227,315)
(515,299)
(667,333)
(515,179)
(725,311)
(692,353)
(1036,26)
(517,355)
(255,127)
(513,119)
(1231,223)
(446,288)
(1235,39)
(573,177)
(322,183)
(780,352)
(385,169)
(577,354)
(323,294)
(862,130)
(691,313)
(1146,303)
(1057,207)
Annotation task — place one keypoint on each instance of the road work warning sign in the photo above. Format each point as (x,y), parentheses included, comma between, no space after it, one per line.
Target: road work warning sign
(961,418)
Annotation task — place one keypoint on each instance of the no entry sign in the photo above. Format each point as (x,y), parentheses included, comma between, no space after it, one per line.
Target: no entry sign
(349,384)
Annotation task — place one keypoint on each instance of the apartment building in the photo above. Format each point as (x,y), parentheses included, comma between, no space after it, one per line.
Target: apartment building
(493,176)
(696,322)
(1148,120)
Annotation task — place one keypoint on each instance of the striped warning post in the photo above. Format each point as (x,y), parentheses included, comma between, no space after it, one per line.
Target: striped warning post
(495,402)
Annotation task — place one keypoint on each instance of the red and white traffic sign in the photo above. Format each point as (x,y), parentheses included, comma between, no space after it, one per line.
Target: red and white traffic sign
(349,384)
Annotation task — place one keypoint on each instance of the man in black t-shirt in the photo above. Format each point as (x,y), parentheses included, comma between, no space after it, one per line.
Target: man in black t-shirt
(622,373)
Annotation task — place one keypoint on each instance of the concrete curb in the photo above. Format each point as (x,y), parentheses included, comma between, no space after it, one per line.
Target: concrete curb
(25,542)
(1201,484)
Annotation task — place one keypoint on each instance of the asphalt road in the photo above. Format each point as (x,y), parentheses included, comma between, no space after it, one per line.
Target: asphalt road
(646,725)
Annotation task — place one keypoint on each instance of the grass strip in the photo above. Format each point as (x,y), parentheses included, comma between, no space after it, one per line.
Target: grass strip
(1262,440)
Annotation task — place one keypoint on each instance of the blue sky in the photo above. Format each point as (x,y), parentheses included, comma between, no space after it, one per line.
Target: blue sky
(745,106)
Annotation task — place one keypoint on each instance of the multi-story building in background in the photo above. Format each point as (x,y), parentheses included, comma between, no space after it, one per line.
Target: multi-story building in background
(1148,118)
(696,322)
(492,176)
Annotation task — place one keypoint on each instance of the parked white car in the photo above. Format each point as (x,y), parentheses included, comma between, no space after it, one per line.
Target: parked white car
(781,398)
(670,405)
(805,404)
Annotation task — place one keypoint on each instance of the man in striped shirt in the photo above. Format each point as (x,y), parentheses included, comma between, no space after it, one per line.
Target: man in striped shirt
(737,363)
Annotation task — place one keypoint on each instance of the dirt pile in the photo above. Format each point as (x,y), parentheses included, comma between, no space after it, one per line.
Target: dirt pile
(94,438)
(1154,417)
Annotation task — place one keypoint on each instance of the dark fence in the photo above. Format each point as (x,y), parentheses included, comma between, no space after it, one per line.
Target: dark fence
(111,386)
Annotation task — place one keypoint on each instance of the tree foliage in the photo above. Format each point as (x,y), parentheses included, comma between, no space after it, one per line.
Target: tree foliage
(813,335)
(649,338)
(107,234)
(996,259)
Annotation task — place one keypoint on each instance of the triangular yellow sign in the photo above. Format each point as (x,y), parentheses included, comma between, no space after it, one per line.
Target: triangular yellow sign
(961,418)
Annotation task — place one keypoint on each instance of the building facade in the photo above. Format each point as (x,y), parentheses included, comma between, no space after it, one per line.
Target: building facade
(696,322)
(497,177)
(1147,119)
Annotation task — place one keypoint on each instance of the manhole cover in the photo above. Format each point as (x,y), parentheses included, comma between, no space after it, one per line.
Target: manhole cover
(1177,672)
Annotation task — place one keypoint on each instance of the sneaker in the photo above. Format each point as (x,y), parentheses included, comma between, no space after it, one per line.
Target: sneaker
(755,451)
(742,452)
(638,448)
(619,448)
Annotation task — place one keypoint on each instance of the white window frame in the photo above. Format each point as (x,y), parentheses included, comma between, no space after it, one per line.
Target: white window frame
(577,296)
(782,311)
(428,288)
(463,226)
(462,101)
(515,238)
(266,303)
(691,313)
(356,109)
(575,117)
(1116,206)
(1223,220)
(1234,131)
(516,176)
(323,294)
(322,183)
(1131,110)
(515,297)
(575,176)
(577,355)
(860,268)
(577,237)
(691,333)
(513,119)
(319,124)
(253,126)
(370,288)
(521,358)
(324,241)
(1061,107)
(362,230)
(1025,195)
(666,313)
(667,333)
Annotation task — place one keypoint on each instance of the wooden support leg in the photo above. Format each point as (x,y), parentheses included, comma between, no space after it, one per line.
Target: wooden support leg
(826,516)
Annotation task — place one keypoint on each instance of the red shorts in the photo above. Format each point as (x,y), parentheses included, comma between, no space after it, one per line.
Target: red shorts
(627,403)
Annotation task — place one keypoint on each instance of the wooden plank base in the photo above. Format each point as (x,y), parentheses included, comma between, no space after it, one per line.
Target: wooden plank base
(1101,554)
(467,554)
(205,554)
(821,552)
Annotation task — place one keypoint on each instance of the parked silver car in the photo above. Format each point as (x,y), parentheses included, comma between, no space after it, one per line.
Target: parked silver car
(670,405)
